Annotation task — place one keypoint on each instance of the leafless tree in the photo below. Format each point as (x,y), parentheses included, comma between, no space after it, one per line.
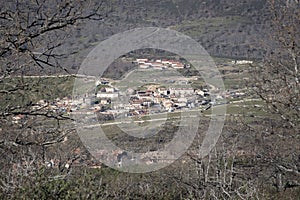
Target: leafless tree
(276,82)
(277,79)
(226,173)
(32,36)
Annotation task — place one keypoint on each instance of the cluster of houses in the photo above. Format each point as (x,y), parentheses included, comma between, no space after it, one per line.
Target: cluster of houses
(150,100)
(153,99)
(162,99)
(62,105)
(58,105)
(145,63)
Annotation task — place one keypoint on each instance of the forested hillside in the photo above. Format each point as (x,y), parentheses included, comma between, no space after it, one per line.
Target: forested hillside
(226,28)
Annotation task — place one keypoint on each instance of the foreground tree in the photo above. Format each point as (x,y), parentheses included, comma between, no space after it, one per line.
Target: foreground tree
(276,82)
(32,39)
(278,78)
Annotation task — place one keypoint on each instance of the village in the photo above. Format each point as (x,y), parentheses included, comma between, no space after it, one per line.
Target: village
(152,99)
(148,99)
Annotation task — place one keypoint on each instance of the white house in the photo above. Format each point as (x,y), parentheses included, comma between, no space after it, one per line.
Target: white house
(142,60)
(177,65)
(143,66)
(241,62)
(107,95)
(182,91)
(148,63)
(165,62)
(110,89)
